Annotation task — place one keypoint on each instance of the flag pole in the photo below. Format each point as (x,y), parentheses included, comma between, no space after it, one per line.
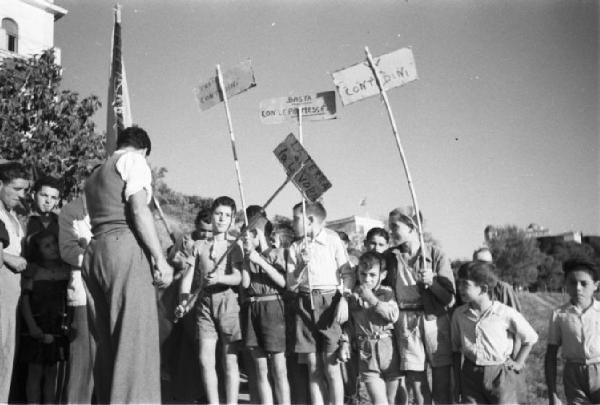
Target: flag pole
(401,150)
(232,136)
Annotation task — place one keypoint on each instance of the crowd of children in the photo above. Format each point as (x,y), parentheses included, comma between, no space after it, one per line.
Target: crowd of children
(313,321)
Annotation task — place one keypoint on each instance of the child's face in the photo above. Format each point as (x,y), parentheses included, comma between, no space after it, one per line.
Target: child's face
(203,230)
(13,192)
(468,290)
(368,276)
(400,232)
(275,240)
(376,243)
(46,199)
(221,219)
(581,287)
(298,223)
(49,248)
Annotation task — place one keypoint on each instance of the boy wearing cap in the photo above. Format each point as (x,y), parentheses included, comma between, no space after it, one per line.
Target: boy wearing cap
(317,269)
(425,293)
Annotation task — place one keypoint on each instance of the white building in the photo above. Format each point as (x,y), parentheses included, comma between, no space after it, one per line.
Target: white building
(27,27)
(355,225)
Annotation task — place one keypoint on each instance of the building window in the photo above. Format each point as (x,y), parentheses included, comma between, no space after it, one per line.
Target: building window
(12,34)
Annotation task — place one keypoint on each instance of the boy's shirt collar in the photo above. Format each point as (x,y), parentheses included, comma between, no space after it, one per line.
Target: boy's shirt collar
(574,308)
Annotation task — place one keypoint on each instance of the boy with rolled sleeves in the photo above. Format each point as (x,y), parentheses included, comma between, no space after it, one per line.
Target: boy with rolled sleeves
(217,308)
(575,328)
(425,293)
(317,270)
(483,332)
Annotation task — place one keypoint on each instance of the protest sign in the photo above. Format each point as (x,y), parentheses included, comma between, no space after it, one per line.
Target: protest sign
(313,107)
(235,81)
(308,178)
(358,82)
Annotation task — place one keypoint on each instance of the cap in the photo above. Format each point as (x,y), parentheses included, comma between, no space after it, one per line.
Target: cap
(407,215)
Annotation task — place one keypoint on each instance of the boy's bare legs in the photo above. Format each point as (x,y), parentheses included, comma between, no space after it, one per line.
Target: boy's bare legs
(391,388)
(401,392)
(333,372)
(417,382)
(207,348)
(315,379)
(441,382)
(376,388)
(232,372)
(280,378)
(259,357)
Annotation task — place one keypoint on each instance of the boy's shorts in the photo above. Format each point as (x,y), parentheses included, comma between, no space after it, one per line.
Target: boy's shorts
(494,384)
(320,333)
(378,358)
(582,383)
(421,340)
(263,324)
(218,316)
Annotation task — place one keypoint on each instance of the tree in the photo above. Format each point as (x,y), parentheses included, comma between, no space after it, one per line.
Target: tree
(50,131)
(516,255)
(551,274)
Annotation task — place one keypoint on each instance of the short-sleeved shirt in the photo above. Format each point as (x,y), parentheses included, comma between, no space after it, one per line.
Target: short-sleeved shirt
(578,332)
(328,263)
(366,321)
(260,282)
(207,253)
(15,233)
(135,172)
(488,339)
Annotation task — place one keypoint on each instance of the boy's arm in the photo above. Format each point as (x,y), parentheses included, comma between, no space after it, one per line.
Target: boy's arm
(271,271)
(16,264)
(521,328)
(34,329)
(442,284)
(550,372)
(384,304)
(235,262)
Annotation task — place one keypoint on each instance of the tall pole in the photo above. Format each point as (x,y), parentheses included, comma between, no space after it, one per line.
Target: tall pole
(232,136)
(411,187)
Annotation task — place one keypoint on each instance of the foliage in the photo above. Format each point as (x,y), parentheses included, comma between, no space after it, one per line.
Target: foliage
(550,273)
(516,255)
(175,204)
(50,131)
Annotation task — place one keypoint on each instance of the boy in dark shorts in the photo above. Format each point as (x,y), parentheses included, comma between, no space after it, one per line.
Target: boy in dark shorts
(482,336)
(318,269)
(372,333)
(575,328)
(263,316)
(217,308)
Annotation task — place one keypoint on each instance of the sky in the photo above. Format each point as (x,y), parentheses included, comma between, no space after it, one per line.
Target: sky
(502,126)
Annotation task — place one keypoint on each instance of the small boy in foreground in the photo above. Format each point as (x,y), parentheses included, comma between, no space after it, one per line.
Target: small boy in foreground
(482,333)
(575,326)
(372,333)
(317,269)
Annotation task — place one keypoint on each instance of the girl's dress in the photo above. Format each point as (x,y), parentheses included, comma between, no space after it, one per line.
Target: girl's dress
(48,302)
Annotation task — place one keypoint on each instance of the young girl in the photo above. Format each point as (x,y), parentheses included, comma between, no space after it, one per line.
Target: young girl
(44,300)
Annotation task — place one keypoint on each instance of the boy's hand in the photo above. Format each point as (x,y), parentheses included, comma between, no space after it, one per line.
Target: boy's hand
(37,333)
(305,253)
(426,275)
(514,365)
(213,278)
(180,310)
(341,311)
(247,244)
(255,257)
(366,294)
(20,265)
(163,274)
(554,399)
(47,338)
(343,352)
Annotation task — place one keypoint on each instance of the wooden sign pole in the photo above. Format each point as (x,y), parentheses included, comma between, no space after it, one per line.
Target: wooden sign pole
(401,150)
(235,158)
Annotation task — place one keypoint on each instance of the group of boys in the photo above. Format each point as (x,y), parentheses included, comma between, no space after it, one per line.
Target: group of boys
(388,320)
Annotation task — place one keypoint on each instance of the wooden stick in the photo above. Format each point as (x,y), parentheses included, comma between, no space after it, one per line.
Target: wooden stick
(161,214)
(305,237)
(401,150)
(235,158)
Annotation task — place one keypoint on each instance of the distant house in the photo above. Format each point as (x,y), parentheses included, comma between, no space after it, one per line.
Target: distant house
(27,27)
(354,225)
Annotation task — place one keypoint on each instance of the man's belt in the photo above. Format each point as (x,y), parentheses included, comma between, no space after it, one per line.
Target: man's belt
(410,306)
(375,336)
(263,298)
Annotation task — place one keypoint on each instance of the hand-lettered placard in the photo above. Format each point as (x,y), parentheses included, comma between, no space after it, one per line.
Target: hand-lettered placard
(310,180)
(357,82)
(236,80)
(314,107)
